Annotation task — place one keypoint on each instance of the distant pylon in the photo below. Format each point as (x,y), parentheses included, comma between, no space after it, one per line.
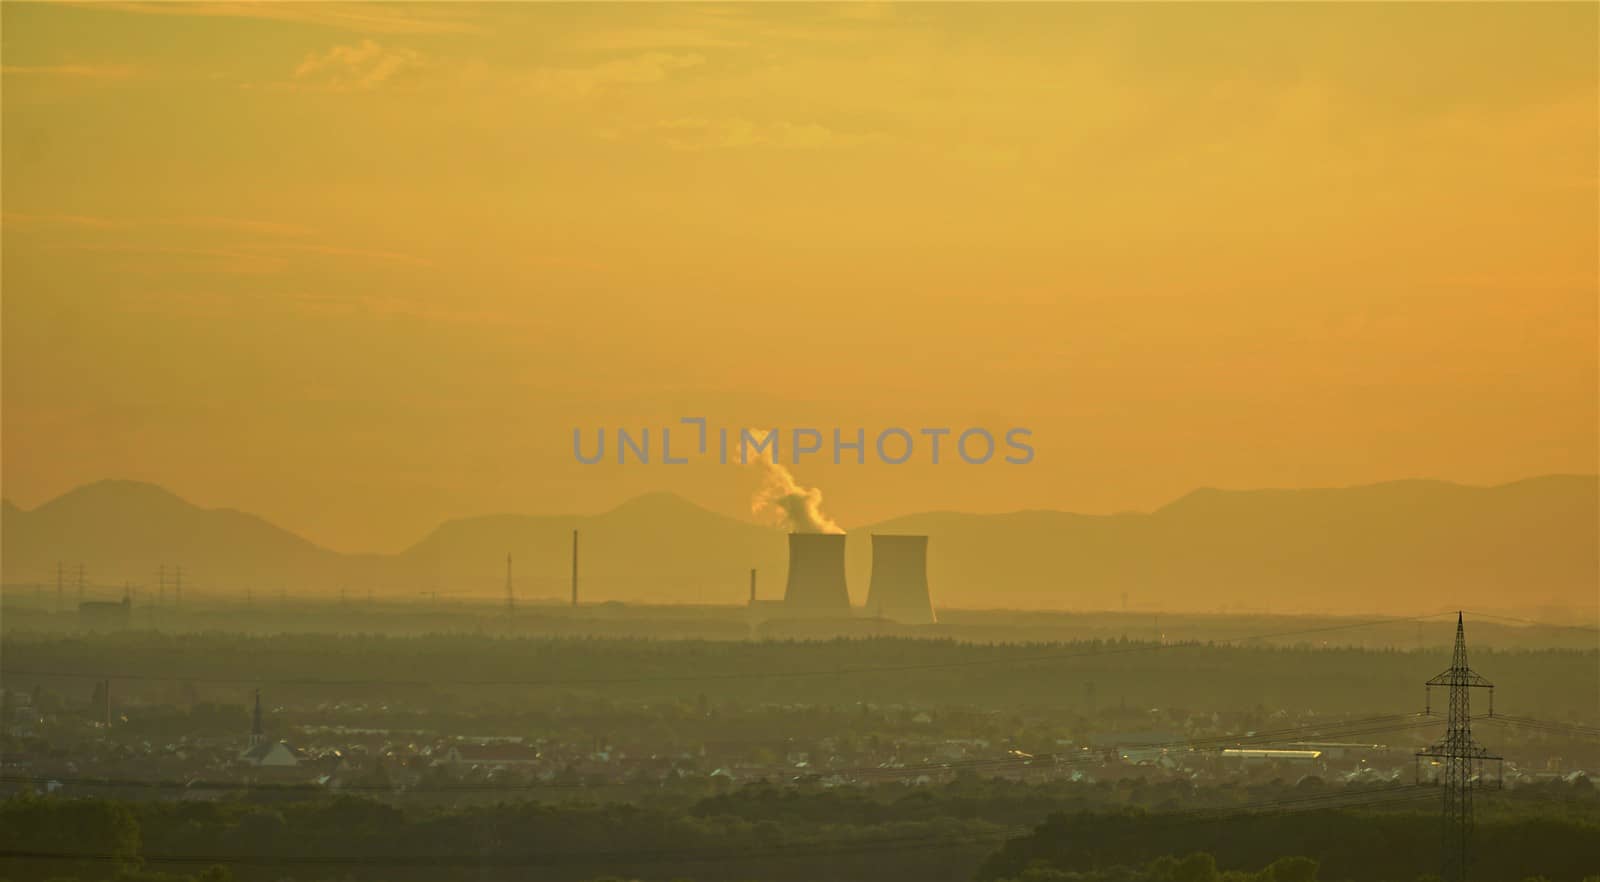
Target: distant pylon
(177,587)
(511,594)
(1463,759)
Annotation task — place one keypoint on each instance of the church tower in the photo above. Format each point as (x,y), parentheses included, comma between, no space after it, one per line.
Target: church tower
(257,737)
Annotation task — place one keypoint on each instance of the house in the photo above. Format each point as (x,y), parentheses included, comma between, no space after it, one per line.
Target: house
(274,754)
(503,754)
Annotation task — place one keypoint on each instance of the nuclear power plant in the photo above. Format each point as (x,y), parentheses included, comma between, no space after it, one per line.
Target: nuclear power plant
(816,575)
(899,588)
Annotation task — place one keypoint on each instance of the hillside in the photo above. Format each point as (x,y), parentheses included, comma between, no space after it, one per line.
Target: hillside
(1393,547)
(1421,544)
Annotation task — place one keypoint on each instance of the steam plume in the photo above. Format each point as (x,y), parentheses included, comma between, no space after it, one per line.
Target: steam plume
(799,506)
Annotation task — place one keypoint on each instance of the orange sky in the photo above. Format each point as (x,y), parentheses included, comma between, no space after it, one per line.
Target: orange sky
(362,268)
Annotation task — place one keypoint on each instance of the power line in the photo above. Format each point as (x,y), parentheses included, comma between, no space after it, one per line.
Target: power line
(1573,729)
(1552,625)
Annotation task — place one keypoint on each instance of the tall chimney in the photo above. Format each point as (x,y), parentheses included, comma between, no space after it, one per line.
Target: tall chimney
(752,586)
(574,567)
(511,591)
(816,574)
(899,589)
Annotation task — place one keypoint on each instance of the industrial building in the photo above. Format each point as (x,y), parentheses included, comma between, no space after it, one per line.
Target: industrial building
(899,587)
(97,615)
(816,583)
(1264,756)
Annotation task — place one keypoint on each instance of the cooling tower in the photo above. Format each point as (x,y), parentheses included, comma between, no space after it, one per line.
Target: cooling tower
(816,575)
(899,589)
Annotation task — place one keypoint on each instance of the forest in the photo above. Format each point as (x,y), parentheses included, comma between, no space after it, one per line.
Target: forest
(969,829)
(444,672)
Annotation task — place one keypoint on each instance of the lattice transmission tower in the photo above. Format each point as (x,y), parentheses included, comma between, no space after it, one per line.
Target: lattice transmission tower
(1460,756)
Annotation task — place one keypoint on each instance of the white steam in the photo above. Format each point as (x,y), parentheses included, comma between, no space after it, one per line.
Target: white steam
(799,507)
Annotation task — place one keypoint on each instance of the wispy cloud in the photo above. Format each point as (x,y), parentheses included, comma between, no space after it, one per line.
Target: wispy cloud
(637,39)
(249,257)
(243,225)
(214,260)
(577,82)
(199,242)
(15,220)
(369,18)
(338,251)
(864,11)
(18,220)
(748,24)
(370,65)
(359,67)
(71,71)
(727,134)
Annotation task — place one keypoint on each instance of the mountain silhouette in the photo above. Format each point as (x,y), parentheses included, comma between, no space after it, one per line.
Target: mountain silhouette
(123,531)
(1412,545)
(1391,547)
(654,548)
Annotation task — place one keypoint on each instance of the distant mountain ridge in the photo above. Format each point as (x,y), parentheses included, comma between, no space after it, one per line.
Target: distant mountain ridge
(1398,545)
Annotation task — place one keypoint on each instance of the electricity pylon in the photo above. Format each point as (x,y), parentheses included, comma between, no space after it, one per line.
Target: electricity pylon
(1462,758)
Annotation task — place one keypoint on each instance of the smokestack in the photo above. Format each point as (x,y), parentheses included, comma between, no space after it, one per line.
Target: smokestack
(752,586)
(816,574)
(899,588)
(574,568)
(511,591)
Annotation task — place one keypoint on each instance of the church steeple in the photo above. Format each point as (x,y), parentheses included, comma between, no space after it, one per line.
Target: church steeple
(257,736)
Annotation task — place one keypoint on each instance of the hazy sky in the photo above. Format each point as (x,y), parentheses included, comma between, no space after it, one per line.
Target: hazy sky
(363,268)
